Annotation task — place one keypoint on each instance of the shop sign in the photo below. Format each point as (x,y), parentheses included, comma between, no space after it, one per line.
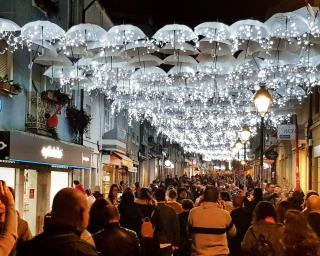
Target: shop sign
(4,145)
(52,152)
(286,132)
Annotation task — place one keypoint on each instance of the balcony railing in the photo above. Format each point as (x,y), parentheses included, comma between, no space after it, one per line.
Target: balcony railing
(36,121)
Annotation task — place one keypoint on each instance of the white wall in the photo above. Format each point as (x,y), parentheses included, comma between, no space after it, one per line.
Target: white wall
(8,175)
(59,180)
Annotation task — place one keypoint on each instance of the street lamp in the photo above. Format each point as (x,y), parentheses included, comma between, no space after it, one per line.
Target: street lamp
(245,136)
(262,100)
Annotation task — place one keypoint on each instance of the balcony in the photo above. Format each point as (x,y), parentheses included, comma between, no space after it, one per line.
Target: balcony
(36,121)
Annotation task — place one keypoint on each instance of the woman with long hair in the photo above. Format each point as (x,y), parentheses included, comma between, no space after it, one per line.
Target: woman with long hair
(96,220)
(265,233)
(299,238)
(113,195)
(130,216)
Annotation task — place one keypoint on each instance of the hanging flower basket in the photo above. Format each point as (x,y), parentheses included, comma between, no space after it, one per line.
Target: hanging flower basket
(79,120)
(7,87)
(55,97)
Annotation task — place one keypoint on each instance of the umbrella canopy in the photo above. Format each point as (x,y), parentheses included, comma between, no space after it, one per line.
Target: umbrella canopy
(287,25)
(63,72)
(182,69)
(123,34)
(82,34)
(175,33)
(215,48)
(145,61)
(40,46)
(215,31)
(312,15)
(8,26)
(179,48)
(279,58)
(49,60)
(279,44)
(249,30)
(149,72)
(175,60)
(140,47)
(42,30)
(310,56)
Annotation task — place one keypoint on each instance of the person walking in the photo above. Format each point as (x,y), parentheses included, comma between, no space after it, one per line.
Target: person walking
(313,215)
(90,197)
(96,221)
(70,217)
(264,235)
(78,186)
(168,234)
(209,226)
(172,201)
(185,243)
(130,216)
(298,237)
(113,195)
(114,239)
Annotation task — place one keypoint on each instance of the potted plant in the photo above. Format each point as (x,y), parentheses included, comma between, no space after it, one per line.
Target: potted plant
(79,120)
(8,87)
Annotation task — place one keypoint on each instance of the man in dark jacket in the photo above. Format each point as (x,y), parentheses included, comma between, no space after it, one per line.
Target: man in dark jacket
(115,240)
(70,216)
(169,234)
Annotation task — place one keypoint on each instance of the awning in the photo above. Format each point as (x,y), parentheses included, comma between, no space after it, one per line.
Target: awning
(125,161)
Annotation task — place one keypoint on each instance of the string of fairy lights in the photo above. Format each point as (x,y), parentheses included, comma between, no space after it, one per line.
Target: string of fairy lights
(194,85)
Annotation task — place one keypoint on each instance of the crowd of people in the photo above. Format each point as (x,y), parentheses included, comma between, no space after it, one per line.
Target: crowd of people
(180,216)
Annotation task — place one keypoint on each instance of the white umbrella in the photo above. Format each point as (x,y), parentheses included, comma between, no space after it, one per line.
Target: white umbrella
(111,61)
(145,61)
(64,72)
(218,64)
(179,48)
(82,34)
(310,56)
(215,31)
(279,58)
(249,30)
(182,69)
(280,44)
(87,61)
(140,47)
(151,72)
(49,60)
(175,60)
(42,47)
(215,48)
(42,30)
(312,15)
(287,25)
(123,34)
(8,26)
(175,33)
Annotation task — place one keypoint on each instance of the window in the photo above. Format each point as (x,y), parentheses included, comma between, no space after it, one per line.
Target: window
(108,120)
(88,110)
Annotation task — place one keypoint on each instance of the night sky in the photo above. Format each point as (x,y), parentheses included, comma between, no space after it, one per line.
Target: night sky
(151,15)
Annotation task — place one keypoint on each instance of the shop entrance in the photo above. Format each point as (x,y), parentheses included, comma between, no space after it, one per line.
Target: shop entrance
(30,199)
(8,175)
(59,180)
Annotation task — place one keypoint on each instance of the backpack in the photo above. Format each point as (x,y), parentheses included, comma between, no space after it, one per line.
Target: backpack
(263,246)
(147,229)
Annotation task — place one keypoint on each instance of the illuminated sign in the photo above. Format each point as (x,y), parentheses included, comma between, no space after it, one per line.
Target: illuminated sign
(52,152)
(2,145)
(85,159)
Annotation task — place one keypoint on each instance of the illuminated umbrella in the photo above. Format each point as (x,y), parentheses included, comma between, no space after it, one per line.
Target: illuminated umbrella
(8,26)
(140,47)
(214,31)
(214,48)
(145,61)
(49,60)
(123,34)
(179,48)
(175,60)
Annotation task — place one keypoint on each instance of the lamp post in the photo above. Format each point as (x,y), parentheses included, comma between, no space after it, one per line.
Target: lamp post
(245,136)
(262,100)
(234,152)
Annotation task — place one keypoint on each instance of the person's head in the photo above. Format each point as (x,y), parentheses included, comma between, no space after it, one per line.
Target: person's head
(70,207)
(296,200)
(313,203)
(96,221)
(145,194)
(183,193)
(160,194)
(264,210)
(127,197)
(137,184)
(270,188)
(76,182)
(111,214)
(225,196)
(121,183)
(282,208)
(172,194)
(187,204)
(257,194)
(238,201)
(88,192)
(211,194)
(113,192)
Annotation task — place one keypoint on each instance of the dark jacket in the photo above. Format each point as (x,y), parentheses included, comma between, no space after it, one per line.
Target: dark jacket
(115,240)
(272,232)
(130,217)
(314,221)
(62,240)
(170,231)
(241,218)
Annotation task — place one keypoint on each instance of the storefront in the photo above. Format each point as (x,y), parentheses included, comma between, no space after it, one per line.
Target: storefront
(37,168)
